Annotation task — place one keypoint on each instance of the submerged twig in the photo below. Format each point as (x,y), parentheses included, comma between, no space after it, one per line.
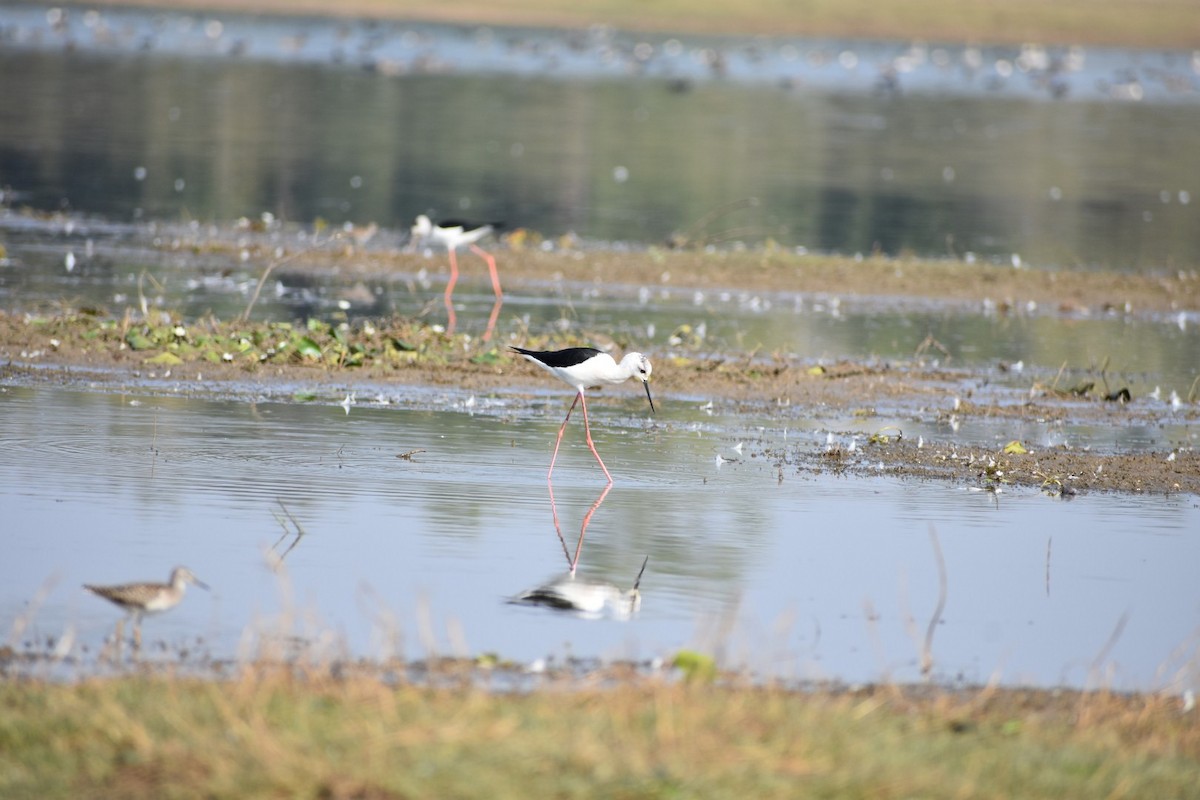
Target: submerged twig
(930,342)
(1102,656)
(927,649)
(1054,386)
(299,533)
(245,315)
(1049,542)
(145,306)
(683,239)
(21,621)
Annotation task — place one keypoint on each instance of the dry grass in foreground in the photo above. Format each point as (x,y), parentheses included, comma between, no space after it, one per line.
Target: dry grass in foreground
(272,733)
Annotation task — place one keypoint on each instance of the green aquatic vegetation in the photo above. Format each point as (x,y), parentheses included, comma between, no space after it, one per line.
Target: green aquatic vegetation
(166,340)
(169,341)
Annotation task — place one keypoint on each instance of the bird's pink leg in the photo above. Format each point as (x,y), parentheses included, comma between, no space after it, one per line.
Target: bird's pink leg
(562,428)
(450,290)
(588,428)
(491,262)
(557,527)
(587,518)
(495,315)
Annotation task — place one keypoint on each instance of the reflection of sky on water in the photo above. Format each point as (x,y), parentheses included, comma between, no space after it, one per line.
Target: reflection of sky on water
(149,128)
(821,573)
(849,147)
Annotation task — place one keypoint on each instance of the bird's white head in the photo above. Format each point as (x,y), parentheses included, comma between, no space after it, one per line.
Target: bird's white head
(422,227)
(638,366)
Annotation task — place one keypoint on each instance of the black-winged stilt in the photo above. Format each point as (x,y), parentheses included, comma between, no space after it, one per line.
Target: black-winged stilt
(584,367)
(453,234)
(139,599)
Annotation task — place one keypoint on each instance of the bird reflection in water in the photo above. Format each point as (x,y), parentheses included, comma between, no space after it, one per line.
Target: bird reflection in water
(585,598)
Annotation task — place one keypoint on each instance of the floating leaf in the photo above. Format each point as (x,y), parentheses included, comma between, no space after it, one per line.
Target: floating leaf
(402,346)
(137,341)
(1015,448)
(307,347)
(882,436)
(695,666)
(490,357)
(165,359)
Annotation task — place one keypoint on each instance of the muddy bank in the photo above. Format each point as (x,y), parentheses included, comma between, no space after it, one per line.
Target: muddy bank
(1004,288)
(111,347)
(212,358)
(156,350)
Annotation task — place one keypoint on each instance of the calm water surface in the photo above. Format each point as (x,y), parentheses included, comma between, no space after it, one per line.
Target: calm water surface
(805,577)
(1062,156)
(1058,157)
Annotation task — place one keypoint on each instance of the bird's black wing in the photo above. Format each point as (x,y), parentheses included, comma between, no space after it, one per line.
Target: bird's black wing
(560,358)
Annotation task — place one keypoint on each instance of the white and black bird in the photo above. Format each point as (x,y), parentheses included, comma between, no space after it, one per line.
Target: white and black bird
(453,234)
(589,599)
(586,367)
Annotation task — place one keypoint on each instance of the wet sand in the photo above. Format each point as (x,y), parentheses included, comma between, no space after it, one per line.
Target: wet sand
(754,383)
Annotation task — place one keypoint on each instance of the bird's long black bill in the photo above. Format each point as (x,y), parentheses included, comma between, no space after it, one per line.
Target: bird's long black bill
(648,397)
(638,580)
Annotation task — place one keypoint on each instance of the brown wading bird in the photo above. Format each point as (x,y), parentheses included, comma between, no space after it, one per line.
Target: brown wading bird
(139,599)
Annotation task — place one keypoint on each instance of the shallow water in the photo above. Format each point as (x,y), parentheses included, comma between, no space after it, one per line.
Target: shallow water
(791,574)
(1058,157)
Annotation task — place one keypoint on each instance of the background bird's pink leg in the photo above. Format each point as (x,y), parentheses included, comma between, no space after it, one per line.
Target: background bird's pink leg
(495,315)
(491,262)
(450,290)
(562,428)
(588,427)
